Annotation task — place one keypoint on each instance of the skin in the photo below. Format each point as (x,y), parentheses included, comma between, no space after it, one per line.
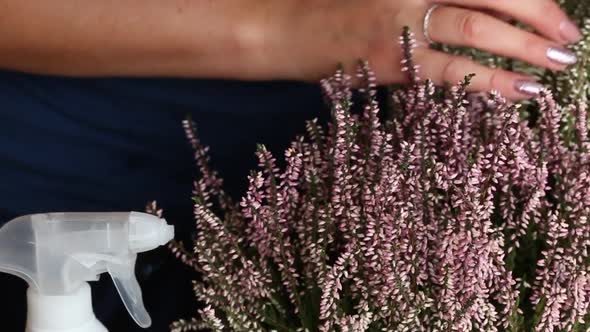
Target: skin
(268,39)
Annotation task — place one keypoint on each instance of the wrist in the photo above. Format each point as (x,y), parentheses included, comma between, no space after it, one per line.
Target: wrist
(246,41)
(260,40)
(220,41)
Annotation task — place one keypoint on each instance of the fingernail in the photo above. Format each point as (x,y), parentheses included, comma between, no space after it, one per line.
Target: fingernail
(570,32)
(529,88)
(561,56)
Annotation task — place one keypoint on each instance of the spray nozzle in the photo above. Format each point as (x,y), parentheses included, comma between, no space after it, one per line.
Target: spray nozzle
(56,253)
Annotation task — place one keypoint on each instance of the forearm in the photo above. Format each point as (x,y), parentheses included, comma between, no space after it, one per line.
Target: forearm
(187,38)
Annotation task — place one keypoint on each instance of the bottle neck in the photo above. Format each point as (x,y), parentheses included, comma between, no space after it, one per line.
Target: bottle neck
(62,313)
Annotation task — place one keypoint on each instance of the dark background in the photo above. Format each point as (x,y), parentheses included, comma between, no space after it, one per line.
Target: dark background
(115,144)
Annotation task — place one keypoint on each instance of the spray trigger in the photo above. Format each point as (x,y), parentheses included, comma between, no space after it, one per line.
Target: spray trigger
(123,276)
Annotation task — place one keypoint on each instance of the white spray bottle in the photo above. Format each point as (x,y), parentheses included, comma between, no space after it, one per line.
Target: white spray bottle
(57,253)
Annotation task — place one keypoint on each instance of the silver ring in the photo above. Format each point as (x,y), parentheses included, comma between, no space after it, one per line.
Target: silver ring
(426,23)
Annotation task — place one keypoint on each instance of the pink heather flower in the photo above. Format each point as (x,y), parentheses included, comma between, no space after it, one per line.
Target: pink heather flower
(447,213)
(208,314)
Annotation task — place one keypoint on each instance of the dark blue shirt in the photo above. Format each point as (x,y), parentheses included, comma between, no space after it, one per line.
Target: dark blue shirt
(114,144)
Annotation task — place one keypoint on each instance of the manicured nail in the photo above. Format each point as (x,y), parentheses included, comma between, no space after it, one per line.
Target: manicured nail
(570,32)
(561,56)
(529,88)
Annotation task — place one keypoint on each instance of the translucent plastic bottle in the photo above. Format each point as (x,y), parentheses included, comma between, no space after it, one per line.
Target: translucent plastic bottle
(57,253)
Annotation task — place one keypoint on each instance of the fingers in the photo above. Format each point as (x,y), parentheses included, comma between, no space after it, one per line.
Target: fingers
(444,68)
(465,27)
(545,16)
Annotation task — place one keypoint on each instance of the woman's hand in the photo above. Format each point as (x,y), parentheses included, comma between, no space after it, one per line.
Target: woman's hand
(307,39)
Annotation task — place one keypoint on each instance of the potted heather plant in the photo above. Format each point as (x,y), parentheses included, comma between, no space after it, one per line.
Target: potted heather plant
(444,212)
